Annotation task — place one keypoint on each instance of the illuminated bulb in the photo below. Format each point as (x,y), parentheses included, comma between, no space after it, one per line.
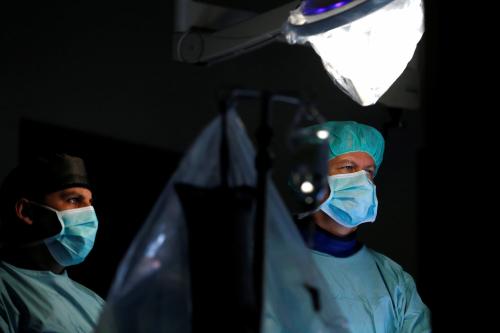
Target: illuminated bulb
(322,134)
(307,187)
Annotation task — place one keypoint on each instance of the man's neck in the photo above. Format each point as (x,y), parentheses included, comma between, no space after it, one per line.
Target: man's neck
(35,257)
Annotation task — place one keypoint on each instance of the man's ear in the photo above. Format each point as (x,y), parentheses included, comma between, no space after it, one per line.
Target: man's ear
(23,211)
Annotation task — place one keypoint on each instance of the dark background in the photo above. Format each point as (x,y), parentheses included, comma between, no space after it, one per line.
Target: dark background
(99,81)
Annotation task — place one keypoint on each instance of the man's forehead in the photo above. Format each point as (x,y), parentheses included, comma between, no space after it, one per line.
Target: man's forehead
(74,190)
(355,157)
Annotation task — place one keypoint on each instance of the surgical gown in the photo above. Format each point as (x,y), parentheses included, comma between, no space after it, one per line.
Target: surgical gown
(374,292)
(41,301)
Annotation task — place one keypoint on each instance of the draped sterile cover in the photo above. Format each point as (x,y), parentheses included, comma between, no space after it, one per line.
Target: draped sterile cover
(151,290)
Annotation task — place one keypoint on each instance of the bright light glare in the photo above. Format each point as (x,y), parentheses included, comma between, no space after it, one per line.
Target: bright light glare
(322,134)
(307,187)
(366,56)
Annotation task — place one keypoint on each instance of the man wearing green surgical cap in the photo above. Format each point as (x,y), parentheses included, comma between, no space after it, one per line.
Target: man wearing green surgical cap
(47,223)
(374,292)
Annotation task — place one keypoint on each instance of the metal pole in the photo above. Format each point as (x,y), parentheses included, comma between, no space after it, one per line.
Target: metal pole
(263,165)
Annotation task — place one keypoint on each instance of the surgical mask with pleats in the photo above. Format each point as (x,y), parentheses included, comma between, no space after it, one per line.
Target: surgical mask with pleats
(352,200)
(76,239)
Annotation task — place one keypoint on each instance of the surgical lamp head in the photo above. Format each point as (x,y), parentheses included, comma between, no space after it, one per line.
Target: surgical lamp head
(364,44)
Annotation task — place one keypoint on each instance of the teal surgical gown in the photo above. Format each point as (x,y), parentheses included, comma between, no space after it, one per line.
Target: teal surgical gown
(374,292)
(41,301)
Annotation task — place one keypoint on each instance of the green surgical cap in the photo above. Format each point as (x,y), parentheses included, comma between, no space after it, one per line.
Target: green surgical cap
(350,136)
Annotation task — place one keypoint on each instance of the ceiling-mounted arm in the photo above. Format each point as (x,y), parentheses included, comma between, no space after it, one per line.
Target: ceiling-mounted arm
(194,44)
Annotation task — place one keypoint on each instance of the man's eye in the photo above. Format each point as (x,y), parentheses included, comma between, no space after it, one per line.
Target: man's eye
(73,200)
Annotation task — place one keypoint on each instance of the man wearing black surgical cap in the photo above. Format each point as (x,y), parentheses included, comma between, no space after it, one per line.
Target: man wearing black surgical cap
(47,223)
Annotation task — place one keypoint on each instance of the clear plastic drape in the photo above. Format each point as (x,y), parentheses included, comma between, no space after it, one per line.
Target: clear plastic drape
(151,290)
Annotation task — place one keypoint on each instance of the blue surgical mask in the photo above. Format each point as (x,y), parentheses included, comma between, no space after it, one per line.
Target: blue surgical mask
(352,200)
(76,239)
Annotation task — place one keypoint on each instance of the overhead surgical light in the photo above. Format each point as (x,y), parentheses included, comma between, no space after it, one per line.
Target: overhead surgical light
(364,44)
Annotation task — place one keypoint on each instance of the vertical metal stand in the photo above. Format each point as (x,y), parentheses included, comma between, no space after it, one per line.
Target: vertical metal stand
(263,165)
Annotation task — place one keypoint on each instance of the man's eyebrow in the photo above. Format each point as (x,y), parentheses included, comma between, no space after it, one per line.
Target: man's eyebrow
(344,161)
(68,193)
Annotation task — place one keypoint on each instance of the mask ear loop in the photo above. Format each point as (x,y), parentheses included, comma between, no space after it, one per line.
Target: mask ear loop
(43,206)
(59,218)
(30,213)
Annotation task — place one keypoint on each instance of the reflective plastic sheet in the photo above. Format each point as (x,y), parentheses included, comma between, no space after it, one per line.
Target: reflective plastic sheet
(151,290)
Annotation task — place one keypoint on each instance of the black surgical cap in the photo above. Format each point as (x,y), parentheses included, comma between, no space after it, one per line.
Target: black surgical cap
(46,174)
(37,177)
